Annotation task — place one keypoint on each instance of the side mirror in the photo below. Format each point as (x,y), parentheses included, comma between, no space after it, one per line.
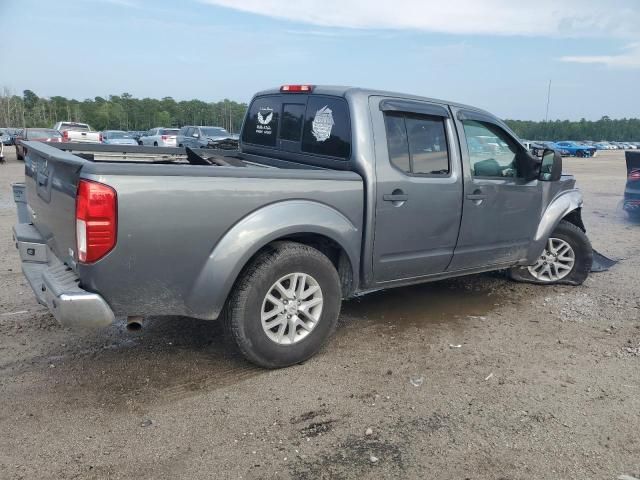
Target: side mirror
(551,167)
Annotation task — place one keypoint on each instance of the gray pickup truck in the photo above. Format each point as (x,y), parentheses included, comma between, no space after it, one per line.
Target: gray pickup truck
(333,193)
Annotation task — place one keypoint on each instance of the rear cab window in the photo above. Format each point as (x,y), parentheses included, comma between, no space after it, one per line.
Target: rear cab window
(300,127)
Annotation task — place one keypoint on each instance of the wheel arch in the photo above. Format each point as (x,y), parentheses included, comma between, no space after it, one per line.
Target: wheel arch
(307,222)
(566,205)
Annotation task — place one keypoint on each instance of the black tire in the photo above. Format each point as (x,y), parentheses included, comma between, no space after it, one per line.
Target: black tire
(242,315)
(140,143)
(20,157)
(581,246)
(155,144)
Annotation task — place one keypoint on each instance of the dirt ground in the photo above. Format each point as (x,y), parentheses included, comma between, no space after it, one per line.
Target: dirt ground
(471,378)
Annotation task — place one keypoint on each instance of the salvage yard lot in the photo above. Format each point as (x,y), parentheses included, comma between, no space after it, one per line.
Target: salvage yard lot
(468,378)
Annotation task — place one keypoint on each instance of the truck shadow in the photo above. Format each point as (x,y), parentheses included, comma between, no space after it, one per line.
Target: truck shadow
(178,357)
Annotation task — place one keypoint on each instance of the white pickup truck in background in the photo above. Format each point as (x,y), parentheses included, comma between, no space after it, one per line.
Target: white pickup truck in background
(77,132)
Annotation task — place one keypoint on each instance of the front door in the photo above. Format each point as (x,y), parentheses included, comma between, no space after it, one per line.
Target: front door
(418,189)
(501,207)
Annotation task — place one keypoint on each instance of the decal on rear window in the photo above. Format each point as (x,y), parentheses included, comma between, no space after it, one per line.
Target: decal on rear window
(265,115)
(322,124)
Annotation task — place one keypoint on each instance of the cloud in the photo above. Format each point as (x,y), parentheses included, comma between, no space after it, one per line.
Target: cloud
(629,59)
(552,18)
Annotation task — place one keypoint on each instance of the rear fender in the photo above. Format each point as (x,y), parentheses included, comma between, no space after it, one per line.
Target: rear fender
(560,207)
(261,227)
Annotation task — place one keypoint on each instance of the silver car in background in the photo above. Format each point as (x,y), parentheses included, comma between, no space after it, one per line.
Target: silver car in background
(117,137)
(159,137)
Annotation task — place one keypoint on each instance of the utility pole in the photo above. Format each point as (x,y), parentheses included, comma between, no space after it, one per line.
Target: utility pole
(546,117)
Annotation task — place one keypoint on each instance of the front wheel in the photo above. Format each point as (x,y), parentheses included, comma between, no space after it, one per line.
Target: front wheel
(284,306)
(566,259)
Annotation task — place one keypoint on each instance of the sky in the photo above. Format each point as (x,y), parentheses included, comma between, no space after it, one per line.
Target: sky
(499,55)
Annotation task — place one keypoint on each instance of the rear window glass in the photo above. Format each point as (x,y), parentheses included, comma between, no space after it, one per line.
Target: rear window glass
(261,125)
(292,118)
(169,131)
(77,127)
(43,133)
(327,127)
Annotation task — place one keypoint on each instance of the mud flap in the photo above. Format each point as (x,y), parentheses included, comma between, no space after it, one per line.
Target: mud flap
(601,263)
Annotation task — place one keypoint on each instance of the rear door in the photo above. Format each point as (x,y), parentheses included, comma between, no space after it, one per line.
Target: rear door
(501,207)
(419,189)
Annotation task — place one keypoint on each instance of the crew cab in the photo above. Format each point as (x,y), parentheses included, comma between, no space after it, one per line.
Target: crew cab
(77,132)
(334,192)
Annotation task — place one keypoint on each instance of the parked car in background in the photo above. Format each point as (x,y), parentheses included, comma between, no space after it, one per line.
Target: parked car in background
(159,137)
(323,206)
(631,203)
(538,147)
(576,150)
(136,134)
(11,134)
(117,137)
(5,137)
(36,134)
(200,137)
(77,132)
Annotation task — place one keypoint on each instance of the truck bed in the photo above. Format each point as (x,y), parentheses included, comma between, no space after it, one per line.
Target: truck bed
(171,213)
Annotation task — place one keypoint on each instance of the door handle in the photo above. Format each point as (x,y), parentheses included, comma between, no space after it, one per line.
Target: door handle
(476,196)
(395,197)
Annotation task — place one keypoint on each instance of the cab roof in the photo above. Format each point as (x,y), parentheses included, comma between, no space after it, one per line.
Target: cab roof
(346,91)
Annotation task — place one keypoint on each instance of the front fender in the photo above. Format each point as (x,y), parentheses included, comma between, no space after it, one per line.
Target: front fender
(563,204)
(272,222)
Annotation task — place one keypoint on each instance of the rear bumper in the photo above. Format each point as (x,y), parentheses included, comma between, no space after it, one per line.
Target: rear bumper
(55,285)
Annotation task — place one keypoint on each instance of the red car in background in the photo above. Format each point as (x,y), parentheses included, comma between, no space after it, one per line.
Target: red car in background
(36,134)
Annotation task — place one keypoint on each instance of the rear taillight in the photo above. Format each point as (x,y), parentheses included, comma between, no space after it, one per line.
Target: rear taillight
(100,137)
(296,88)
(164,137)
(634,174)
(96,220)
(65,136)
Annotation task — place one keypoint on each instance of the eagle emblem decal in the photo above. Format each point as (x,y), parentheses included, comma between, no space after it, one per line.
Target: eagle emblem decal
(265,119)
(322,124)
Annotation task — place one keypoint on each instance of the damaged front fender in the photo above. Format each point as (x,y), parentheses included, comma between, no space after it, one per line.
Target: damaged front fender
(560,207)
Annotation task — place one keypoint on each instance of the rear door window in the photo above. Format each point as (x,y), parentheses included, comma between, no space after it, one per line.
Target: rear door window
(417,144)
(327,127)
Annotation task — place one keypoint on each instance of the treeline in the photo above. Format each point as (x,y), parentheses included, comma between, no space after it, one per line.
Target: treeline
(117,112)
(124,112)
(622,130)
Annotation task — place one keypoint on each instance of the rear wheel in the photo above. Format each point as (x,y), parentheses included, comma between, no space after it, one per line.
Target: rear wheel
(566,259)
(19,155)
(155,144)
(284,306)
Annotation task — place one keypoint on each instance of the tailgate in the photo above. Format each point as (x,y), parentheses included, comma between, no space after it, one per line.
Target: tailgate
(86,137)
(51,179)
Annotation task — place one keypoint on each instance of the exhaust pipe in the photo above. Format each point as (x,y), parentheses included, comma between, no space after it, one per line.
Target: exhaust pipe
(134,323)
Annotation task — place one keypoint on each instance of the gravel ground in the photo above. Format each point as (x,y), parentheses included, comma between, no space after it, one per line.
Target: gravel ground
(470,378)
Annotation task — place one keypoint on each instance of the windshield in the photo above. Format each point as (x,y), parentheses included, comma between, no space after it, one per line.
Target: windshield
(214,132)
(43,133)
(115,134)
